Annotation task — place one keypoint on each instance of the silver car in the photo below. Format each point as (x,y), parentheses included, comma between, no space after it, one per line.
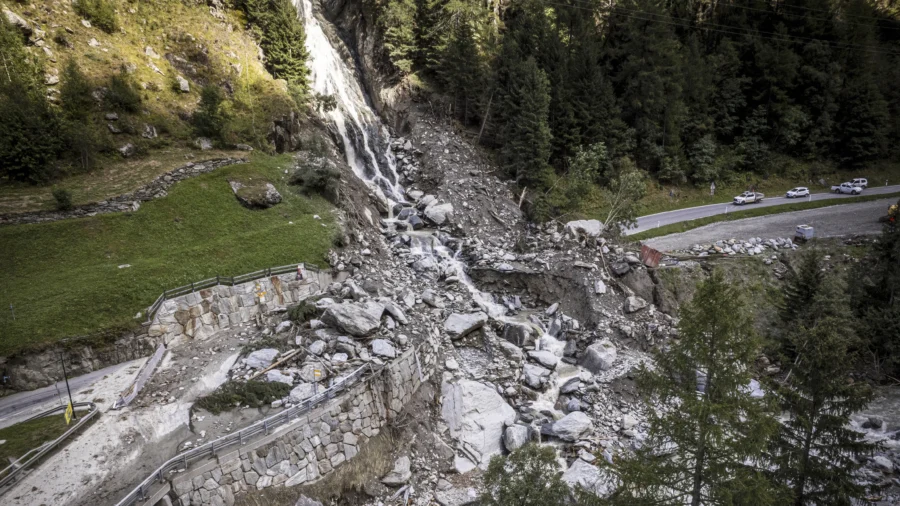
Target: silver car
(800,191)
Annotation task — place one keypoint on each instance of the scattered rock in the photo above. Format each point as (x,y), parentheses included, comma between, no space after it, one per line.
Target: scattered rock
(260,359)
(203,143)
(545,358)
(458,325)
(302,392)
(573,426)
(184,85)
(127,150)
(584,475)
(383,348)
(400,474)
(599,357)
(439,214)
(634,304)
(277,376)
(358,319)
(255,194)
(590,228)
(476,416)
(515,437)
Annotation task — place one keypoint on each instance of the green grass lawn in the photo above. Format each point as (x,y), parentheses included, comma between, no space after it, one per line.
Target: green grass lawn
(24,436)
(684,226)
(63,278)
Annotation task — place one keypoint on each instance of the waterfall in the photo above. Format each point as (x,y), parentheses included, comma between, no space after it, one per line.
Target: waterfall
(365,137)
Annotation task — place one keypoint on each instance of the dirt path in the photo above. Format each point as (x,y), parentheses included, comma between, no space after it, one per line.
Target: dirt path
(835,221)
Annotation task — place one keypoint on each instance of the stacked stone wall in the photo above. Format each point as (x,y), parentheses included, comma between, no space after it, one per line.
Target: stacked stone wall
(315,444)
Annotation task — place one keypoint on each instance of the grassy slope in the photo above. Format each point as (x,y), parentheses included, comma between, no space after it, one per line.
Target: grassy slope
(752,213)
(221,52)
(63,277)
(24,436)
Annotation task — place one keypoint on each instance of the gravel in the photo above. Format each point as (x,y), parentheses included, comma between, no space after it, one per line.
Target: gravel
(834,221)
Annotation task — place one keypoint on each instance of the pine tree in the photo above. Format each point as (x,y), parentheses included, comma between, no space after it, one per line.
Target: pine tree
(397,18)
(527,477)
(816,452)
(802,284)
(706,431)
(525,133)
(77,103)
(283,42)
(461,70)
(29,126)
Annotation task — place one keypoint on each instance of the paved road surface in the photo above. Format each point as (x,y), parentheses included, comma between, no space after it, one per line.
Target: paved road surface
(834,221)
(15,403)
(692,213)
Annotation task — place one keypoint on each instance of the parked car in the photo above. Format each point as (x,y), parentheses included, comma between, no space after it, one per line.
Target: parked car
(748,198)
(861,182)
(800,191)
(847,188)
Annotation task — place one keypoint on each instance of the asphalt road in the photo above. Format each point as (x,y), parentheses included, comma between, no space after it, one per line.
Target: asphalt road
(833,221)
(15,403)
(692,213)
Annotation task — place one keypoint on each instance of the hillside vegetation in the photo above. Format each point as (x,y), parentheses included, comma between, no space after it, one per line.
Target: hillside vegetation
(76,277)
(93,77)
(590,104)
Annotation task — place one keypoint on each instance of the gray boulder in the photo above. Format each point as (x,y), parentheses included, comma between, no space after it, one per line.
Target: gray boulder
(589,228)
(260,359)
(305,501)
(439,214)
(279,377)
(515,437)
(599,357)
(634,304)
(584,475)
(400,474)
(458,325)
(317,348)
(358,319)
(184,85)
(383,348)
(127,150)
(520,334)
(302,392)
(17,21)
(258,194)
(476,416)
(534,375)
(545,358)
(619,268)
(573,426)
(395,311)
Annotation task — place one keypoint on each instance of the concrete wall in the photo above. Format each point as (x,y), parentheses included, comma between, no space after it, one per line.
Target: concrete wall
(314,445)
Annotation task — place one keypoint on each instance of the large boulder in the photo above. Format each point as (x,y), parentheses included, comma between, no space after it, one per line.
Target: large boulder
(260,359)
(279,377)
(520,334)
(589,228)
(634,304)
(534,375)
(439,214)
(358,319)
(476,416)
(584,475)
(258,194)
(545,358)
(599,357)
(515,437)
(573,426)
(400,474)
(383,348)
(458,325)
(18,22)
(302,392)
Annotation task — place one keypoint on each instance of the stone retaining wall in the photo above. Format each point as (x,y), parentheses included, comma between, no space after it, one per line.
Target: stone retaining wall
(201,314)
(125,202)
(313,445)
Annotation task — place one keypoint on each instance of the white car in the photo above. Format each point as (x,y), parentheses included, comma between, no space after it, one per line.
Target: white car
(800,191)
(861,182)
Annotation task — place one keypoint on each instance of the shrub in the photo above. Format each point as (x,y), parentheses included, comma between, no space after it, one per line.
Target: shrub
(302,312)
(252,393)
(210,119)
(123,93)
(318,178)
(101,13)
(63,199)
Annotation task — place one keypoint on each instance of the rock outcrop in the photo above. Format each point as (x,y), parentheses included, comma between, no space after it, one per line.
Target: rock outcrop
(476,416)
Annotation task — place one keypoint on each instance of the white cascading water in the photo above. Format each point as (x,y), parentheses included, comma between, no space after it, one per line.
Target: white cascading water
(365,137)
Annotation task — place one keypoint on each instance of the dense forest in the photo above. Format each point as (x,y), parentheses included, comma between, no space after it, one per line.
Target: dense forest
(689,92)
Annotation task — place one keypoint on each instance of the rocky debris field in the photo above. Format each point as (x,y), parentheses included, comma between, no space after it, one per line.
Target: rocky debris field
(752,247)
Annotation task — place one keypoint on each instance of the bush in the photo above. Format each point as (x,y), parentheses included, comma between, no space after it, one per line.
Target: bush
(252,393)
(318,178)
(210,119)
(101,13)
(302,312)
(63,199)
(123,93)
